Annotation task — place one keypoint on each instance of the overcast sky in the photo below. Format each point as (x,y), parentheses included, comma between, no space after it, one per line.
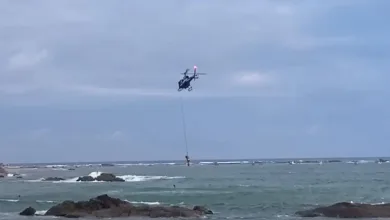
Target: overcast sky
(97,80)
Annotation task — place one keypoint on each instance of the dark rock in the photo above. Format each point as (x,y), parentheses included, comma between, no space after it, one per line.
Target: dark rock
(28,211)
(86,178)
(71,169)
(107,165)
(105,206)
(108,177)
(54,179)
(3,171)
(349,210)
(203,209)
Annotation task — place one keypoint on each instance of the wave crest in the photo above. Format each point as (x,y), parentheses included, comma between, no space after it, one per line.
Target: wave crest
(127,178)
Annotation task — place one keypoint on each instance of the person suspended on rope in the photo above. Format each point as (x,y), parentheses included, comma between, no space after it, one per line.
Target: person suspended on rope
(187,160)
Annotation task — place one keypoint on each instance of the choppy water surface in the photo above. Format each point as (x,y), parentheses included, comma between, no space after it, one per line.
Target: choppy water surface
(232,190)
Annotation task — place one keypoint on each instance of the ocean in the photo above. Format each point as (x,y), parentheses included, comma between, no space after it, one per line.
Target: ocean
(271,189)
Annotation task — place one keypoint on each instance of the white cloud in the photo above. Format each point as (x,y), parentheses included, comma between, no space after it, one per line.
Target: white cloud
(136,48)
(27,59)
(252,79)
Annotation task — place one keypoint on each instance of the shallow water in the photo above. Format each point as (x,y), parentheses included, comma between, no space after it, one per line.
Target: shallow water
(269,191)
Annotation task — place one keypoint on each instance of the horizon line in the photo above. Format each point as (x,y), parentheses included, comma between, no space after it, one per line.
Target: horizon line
(206,160)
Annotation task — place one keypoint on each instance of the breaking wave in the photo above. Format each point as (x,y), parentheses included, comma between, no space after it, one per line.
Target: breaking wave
(127,178)
(17,200)
(51,202)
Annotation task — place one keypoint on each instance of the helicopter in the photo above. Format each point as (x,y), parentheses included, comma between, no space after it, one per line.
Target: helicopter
(185,82)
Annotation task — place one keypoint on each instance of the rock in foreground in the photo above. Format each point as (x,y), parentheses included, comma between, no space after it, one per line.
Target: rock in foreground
(349,210)
(105,206)
(28,212)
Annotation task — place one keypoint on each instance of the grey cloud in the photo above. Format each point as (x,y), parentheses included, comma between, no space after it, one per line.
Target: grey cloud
(124,48)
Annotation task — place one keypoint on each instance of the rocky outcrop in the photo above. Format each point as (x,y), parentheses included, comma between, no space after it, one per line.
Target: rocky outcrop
(54,179)
(106,177)
(349,210)
(85,179)
(380,160)
(28,211)
(105,206)
(3,172)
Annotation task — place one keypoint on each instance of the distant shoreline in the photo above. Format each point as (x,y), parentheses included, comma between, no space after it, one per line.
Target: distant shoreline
(197,160)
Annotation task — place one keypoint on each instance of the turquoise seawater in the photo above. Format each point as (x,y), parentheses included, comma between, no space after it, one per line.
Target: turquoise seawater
(232,191)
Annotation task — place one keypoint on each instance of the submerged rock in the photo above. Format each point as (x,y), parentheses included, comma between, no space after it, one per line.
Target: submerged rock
(107,165)
(104,206)
(349,210)
(54,179)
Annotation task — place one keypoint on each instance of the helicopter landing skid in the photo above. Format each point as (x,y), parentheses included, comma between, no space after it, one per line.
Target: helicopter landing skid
(189,89)
(179,89)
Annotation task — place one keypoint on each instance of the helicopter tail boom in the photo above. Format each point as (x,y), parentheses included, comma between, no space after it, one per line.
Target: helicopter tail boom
(186,72)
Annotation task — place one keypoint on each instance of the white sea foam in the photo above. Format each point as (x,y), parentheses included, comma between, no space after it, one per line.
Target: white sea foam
(144,164)
(57,166)
(224,162)
(59,169)
(147,203)
(360,161)
(206,163)
(17,200)
(15,175)
(45,201)
(135,178)
(95,174)
(9,200)
(40,212)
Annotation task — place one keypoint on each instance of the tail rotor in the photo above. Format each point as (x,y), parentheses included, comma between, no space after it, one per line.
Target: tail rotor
(196,74)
